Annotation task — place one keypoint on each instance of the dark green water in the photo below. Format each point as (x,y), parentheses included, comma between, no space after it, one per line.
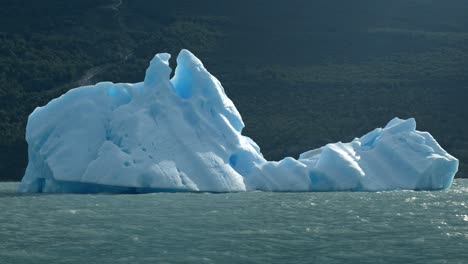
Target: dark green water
(387,227)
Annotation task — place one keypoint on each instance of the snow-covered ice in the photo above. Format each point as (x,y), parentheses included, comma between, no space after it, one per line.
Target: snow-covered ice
(184,134)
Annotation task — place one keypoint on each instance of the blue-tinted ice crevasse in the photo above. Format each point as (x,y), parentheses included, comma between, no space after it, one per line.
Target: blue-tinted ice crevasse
(184,134)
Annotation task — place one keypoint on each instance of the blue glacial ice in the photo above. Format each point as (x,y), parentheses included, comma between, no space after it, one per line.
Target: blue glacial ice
(184,134)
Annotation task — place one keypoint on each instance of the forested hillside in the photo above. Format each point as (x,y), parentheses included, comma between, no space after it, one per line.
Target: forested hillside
(302,73)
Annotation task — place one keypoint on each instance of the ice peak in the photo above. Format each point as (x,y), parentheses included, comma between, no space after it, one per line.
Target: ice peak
(158,70)
(187,59)
(188,71)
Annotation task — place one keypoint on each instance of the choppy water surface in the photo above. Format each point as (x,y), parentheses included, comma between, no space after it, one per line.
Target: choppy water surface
(386,227)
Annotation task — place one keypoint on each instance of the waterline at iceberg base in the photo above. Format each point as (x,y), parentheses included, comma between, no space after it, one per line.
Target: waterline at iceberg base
(184,134)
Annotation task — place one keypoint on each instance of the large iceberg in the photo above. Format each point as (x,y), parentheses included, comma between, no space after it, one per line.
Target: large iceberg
(184,134)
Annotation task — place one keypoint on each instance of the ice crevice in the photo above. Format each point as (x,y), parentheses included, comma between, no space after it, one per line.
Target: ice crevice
(185,134)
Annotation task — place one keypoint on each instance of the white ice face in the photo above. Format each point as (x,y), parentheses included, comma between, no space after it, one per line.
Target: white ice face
(184,134)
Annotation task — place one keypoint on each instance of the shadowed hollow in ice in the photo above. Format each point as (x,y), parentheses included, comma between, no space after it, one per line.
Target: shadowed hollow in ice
(184,134)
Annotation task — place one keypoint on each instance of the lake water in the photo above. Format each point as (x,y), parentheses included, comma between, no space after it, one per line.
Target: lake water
(386,227)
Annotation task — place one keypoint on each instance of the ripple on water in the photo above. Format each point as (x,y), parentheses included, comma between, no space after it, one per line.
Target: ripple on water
(345,227)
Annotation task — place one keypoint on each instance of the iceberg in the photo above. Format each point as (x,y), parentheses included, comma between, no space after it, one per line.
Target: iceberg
(184,134)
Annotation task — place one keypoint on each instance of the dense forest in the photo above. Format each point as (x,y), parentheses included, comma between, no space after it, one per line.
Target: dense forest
(302,73)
